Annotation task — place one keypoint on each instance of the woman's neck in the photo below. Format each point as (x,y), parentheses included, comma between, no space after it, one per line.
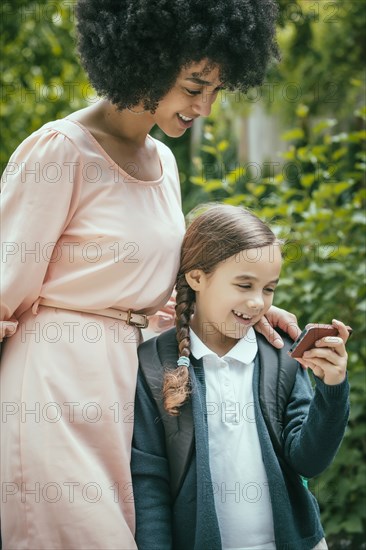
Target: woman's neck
(124,125)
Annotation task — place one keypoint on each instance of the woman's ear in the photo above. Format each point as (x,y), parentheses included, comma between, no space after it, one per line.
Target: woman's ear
(194,279)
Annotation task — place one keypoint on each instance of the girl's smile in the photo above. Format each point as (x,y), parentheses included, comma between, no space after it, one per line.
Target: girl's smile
(243,318)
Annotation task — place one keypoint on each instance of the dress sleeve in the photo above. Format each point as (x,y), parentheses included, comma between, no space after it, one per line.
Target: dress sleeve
(40,189)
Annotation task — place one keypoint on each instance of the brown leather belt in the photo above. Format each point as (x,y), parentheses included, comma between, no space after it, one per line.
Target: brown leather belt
(134,319)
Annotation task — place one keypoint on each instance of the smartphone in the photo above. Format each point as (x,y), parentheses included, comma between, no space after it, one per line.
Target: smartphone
(311,333)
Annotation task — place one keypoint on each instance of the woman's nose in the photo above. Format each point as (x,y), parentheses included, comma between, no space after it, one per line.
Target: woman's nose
(203,103)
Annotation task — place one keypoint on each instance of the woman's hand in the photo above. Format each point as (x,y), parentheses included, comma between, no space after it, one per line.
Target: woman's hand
(276,317)
(8,328)
(164,318)
(328,360)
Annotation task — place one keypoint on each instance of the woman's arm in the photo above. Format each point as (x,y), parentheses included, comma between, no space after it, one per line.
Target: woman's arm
(150,474)
(39,195)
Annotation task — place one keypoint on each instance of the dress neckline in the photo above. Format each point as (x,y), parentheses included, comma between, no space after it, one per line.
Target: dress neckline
(127,178)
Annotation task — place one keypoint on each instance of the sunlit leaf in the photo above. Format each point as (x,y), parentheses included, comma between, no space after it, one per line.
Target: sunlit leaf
(213,185)
(324,124)
(339,153)
(223,146)
(209,149)
(302,111)
(197,180)
(361,113)
(294,134)
(307,180)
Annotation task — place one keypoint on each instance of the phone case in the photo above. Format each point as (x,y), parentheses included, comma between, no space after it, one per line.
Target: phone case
(310,335)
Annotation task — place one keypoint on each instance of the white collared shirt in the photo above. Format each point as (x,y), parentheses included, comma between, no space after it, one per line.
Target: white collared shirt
(239,478)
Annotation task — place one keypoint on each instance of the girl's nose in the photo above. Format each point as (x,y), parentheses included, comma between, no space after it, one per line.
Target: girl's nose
(256,304)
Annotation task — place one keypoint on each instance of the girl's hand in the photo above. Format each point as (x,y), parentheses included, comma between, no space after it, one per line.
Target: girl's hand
(276,317)
(328,360)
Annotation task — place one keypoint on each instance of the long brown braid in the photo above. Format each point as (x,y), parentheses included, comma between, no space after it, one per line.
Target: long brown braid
(218,233)
(176,386)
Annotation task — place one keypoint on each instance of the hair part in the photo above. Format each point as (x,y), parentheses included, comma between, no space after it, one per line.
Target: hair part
(220,232)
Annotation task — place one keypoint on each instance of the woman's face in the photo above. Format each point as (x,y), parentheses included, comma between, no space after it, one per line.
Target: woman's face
(192,96)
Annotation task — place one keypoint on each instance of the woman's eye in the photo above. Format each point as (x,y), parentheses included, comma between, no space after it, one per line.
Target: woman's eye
(192,92)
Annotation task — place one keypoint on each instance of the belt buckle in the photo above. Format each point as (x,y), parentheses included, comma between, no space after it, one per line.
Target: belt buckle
(136,323)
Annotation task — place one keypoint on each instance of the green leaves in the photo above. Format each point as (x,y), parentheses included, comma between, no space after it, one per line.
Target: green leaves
(324,125)
(40,78)
(294,134)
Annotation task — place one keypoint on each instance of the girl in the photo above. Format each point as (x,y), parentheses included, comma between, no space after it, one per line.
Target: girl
(92,227)
(239,491)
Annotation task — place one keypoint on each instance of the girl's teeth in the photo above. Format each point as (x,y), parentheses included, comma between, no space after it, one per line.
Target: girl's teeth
(242,315)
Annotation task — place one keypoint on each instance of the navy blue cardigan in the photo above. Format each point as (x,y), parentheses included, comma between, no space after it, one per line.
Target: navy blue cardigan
(313,429)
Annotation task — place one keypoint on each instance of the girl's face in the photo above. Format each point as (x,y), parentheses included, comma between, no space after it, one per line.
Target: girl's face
(192,96)
(235,296)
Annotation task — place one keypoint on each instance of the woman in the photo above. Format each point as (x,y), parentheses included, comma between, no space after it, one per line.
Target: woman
(92,226)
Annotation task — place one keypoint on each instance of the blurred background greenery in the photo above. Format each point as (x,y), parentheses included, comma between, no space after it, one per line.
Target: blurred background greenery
(292,150)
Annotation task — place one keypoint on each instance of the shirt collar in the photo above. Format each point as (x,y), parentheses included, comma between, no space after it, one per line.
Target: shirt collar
(244,350)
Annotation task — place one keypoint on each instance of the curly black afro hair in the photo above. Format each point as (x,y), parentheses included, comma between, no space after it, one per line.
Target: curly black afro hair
(133,50)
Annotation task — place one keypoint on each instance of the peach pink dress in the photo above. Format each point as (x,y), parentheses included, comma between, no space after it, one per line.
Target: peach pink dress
(78,230)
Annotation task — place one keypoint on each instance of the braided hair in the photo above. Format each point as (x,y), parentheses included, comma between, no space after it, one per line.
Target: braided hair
(217,234)
(176,382)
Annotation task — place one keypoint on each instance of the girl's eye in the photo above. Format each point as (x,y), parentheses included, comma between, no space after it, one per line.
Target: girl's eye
(269,290)
(243,286)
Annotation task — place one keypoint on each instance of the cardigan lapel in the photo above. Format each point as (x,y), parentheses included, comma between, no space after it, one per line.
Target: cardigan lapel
(207,530)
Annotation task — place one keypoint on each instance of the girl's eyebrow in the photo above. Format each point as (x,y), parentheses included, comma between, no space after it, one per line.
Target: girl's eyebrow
(251,277)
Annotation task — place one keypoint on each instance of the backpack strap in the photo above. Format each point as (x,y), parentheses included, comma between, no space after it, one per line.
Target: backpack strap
(277,378)
(276,381)
(156,355)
